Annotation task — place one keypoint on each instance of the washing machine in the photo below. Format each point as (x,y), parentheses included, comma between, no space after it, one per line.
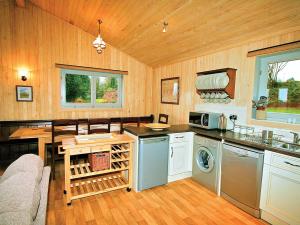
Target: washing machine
(207,163)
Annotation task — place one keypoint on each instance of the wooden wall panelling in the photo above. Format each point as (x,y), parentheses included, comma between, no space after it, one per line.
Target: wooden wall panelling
(32,38)
(234,58)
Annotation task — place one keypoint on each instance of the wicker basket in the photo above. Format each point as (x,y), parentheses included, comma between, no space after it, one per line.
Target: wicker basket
(99,161)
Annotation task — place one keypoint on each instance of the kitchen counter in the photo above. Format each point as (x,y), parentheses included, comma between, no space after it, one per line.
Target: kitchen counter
(147,132)
(227,136)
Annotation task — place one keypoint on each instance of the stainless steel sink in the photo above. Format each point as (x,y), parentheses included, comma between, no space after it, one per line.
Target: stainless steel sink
(289,146)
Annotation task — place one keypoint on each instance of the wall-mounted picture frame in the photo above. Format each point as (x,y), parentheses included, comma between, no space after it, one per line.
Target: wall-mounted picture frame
(170,91)
(24,93)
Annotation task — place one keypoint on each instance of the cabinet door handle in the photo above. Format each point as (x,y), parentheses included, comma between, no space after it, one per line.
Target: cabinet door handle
(172,152)
(180,137)
(291,164)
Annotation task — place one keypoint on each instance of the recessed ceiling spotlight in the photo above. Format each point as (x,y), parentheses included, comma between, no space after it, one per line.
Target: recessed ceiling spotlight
(165,25)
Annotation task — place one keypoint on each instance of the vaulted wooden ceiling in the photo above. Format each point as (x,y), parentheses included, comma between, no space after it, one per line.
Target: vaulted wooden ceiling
(196,27)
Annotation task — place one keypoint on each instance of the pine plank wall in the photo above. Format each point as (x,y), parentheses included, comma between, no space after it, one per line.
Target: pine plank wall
(35,39)
(32,38)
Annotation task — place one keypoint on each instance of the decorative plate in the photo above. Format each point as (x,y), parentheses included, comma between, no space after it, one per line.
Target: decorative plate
(157,126)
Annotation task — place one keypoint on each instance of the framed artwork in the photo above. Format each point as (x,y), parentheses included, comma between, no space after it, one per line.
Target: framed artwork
(170,91)
(24,93)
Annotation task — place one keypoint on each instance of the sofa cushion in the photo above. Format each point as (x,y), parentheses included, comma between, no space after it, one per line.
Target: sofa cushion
(15,218)
(20,193)
(26,163)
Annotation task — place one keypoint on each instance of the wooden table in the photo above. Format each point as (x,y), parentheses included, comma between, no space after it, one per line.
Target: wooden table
(43,135)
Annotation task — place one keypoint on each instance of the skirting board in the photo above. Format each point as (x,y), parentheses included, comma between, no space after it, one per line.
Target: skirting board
(179,176)
(271,219)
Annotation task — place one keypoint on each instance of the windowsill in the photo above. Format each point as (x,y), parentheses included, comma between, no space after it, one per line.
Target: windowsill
(274,124)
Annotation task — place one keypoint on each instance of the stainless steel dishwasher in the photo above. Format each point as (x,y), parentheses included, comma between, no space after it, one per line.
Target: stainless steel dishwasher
(153,162)
(241,176)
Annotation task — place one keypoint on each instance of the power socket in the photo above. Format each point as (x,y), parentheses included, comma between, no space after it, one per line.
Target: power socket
(233,117)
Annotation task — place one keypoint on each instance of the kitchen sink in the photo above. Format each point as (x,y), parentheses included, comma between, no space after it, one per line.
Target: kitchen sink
(288,146)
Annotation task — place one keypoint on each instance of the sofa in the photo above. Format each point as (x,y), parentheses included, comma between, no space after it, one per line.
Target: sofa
(24,192)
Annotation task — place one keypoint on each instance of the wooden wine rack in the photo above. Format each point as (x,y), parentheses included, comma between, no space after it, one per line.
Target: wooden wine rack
(81,181)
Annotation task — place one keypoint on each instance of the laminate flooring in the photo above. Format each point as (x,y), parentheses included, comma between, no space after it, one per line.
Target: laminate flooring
(183,202)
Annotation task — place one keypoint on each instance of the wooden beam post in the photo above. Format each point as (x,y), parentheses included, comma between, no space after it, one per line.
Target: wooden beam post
(20,3)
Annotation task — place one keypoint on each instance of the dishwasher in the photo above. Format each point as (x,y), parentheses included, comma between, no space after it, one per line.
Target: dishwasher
(153,162)
(241,176)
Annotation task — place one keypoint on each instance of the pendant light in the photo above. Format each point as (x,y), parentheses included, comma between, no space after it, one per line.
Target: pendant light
(99,44)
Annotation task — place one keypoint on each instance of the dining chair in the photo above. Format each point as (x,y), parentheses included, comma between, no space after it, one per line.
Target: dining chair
(61,129)
(129,120)
(163,118)
(103,122)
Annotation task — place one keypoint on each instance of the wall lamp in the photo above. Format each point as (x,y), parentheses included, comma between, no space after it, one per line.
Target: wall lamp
(23,73)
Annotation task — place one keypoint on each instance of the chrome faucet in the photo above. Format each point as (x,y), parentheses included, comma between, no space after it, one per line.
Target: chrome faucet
(296,138)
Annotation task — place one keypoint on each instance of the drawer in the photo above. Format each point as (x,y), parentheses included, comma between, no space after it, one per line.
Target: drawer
(181,137)
(78,151)
(286,162)
(100,148)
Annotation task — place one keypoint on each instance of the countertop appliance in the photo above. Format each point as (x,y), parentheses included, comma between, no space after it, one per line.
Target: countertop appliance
(206,162)
(207,120)
(153,162)
(241,176)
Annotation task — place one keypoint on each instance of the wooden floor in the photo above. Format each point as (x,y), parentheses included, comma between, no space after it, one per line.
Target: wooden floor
(183,202)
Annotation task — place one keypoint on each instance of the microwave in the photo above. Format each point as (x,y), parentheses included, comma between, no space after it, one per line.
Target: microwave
(207,120)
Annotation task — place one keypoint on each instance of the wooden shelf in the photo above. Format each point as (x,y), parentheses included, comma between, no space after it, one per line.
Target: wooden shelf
(97,184)
(229,89)
(84,170)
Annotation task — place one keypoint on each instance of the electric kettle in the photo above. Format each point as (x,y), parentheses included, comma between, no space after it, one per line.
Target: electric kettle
(222,122)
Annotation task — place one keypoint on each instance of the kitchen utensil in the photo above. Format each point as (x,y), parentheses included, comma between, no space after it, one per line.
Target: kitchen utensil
(222,122)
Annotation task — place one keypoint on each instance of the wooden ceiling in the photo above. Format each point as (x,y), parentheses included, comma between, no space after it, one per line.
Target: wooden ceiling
(196,27)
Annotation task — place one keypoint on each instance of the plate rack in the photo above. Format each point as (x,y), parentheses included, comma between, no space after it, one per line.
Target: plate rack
(230,87)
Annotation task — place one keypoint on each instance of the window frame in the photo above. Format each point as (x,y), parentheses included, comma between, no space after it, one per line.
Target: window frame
(94,75)
(261,81)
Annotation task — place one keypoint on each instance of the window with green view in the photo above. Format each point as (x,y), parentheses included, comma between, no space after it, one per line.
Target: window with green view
(91,89)
(278,78)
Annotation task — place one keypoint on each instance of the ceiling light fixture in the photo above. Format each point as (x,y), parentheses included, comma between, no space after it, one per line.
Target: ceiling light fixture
(99,44)
(165,25)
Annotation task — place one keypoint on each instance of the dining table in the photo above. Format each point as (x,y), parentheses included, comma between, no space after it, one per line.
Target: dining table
(43,134)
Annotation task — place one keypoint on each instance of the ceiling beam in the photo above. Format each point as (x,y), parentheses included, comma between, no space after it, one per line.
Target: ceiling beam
(20,3)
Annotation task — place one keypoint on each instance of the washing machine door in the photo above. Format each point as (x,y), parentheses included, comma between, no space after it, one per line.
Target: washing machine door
(204,159)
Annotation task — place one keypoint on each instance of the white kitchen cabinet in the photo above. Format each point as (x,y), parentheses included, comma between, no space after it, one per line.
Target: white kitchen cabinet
(280,193)
(180,156)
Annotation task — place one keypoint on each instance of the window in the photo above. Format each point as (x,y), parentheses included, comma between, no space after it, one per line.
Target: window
(90,89)
(278,78)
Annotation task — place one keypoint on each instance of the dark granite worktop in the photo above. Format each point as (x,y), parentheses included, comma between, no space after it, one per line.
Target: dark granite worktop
(227,136)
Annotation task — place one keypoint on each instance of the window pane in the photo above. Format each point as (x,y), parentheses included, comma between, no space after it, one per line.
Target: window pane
(106,90)
(284,87)
(78,88)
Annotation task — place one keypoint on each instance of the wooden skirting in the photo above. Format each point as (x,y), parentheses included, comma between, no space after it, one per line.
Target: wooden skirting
(275,49)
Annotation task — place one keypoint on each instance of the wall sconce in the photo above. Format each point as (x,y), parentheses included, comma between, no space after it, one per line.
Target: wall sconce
(23,73)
